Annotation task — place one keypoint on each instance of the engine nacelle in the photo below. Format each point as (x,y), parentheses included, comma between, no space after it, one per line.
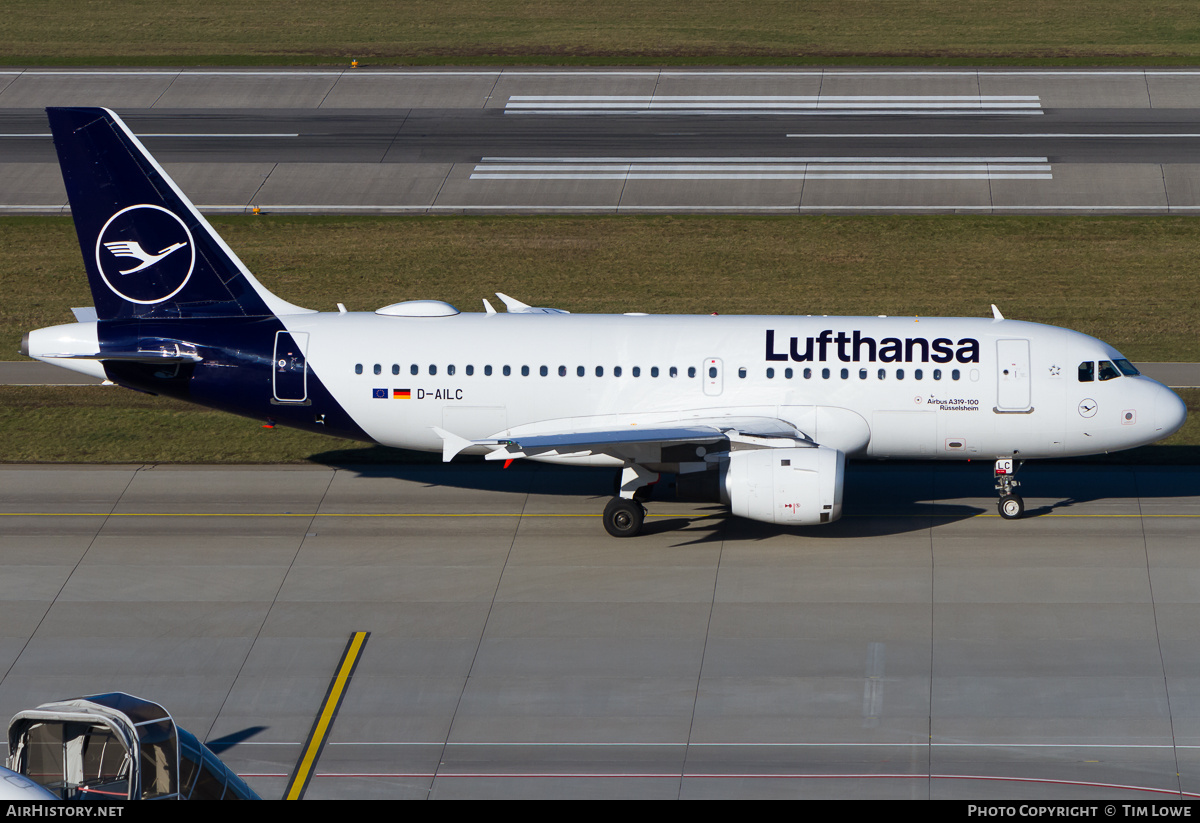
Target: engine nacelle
(799,487)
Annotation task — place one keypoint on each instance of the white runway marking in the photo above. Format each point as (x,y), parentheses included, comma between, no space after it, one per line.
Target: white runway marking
(859,134)
(576,104)
(198,134)
(770,168)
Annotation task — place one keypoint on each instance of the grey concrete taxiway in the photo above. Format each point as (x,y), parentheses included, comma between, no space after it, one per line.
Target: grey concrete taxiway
(921,647)
(642,140)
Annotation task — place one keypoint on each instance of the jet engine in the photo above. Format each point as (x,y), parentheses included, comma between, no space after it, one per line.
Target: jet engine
(788,486)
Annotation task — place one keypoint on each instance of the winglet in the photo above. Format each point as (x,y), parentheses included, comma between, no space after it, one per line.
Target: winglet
(452,444)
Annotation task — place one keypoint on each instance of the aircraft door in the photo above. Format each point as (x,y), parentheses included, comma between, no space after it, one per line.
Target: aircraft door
(1012,376)
(712,376)
(289,368)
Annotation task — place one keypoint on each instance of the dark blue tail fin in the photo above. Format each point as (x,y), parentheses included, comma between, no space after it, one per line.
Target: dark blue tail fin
(148,252)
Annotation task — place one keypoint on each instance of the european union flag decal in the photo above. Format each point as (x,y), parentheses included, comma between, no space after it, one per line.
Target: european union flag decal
(379,394)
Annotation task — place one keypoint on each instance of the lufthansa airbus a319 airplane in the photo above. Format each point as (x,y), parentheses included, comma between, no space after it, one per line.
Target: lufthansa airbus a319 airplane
(759,413)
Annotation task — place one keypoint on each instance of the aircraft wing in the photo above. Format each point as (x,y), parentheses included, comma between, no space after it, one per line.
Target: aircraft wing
(634,441)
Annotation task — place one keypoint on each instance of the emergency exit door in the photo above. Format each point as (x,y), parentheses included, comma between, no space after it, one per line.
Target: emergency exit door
(1012,376)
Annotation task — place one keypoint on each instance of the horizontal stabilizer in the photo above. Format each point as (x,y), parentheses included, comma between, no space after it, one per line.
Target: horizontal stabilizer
(132,356)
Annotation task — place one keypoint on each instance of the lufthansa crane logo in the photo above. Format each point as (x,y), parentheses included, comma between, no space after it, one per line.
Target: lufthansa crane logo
(145,254)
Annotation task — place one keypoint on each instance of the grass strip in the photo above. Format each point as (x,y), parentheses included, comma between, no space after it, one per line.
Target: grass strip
(560,32)
(1130,281)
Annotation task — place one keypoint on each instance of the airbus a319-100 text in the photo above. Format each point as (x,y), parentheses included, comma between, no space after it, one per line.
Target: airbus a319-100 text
(759,413)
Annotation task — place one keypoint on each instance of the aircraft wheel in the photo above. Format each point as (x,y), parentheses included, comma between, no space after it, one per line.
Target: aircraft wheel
(1011,506)
(623,518)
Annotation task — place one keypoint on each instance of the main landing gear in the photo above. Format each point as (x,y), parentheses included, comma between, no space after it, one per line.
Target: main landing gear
(1011,505)
(624,515)
(623,518)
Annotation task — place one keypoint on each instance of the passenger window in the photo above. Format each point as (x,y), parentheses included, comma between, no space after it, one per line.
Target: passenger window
(845,374)
(954,375)
(414,369)
(788,373)
(637,371)
(937,374)
(507,370)
(487,371)
(432,369)
(825,374)
(599,371)
(918,374)
(395,368)
(580,371)
(862,374)
(742,372)
(616,371)
(470,370)
(1087,371)
(450,369)
(358,368)
(899,374)
(378,369)
(654,371)
(691,371)
(543,371)
(712,371)
(808,374)
(562,371)
(770,374)
(524,371)
(883,374)
(1108,371)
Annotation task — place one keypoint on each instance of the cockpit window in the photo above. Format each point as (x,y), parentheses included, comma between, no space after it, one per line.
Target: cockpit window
(1127,368)
(1087,371)
(1108,371)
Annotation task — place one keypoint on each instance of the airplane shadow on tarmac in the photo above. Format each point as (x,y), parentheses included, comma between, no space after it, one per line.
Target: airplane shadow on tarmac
(880,498)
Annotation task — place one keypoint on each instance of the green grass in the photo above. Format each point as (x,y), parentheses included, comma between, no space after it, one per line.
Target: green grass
(667,32)
(1130,281)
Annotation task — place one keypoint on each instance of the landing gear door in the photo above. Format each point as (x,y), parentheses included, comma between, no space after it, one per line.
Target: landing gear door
(289,368)
(1012,376)
(712,376)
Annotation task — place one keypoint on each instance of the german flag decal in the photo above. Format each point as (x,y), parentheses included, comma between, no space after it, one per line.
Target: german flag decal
(402,394)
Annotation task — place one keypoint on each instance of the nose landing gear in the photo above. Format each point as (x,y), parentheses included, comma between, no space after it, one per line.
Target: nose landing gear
(1011,505)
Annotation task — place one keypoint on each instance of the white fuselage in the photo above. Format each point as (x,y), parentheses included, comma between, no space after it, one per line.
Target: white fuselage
(934,388)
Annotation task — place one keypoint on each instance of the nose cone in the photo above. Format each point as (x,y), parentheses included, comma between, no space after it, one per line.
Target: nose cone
(1169,413)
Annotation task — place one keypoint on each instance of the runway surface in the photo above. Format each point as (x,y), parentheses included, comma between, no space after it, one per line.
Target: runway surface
(921,647)
(771,141)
